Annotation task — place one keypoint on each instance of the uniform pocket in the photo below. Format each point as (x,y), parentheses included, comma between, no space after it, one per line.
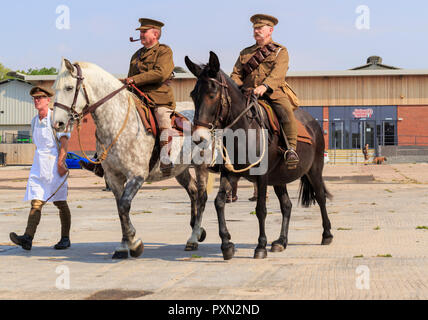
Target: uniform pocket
(291,95)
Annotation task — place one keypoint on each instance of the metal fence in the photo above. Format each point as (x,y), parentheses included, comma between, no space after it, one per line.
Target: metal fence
(15,138)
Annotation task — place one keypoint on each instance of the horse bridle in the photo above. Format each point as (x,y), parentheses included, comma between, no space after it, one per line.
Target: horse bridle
(223,108)
(78,116)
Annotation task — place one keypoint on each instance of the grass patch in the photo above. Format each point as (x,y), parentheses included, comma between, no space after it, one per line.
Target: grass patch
(195,256)
(359,257)
(79,207)
(384,255)
(390,191)
(377,228)
(421,228)
(344,229)
(164,189)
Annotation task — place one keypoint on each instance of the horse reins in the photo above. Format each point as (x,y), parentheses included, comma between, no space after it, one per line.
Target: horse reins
(91,108)
(225,105)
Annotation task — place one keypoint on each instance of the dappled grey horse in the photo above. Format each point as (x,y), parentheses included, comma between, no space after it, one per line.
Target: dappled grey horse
(125,146)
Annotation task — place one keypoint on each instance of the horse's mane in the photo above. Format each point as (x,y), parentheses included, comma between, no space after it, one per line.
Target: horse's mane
(65,74)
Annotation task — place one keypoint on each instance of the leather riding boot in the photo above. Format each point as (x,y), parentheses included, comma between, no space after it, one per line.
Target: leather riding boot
(65,217)
(25,241)
(166,165)
(95,168)
(63,244)
(291,157)
(34,217)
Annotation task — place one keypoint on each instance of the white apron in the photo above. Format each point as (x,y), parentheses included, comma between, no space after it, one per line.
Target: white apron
(44,178)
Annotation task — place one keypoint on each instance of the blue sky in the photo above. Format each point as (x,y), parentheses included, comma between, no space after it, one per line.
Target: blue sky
(319,35)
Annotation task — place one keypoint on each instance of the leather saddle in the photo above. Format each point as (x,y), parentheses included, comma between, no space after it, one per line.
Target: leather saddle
(149,120)
(302,133)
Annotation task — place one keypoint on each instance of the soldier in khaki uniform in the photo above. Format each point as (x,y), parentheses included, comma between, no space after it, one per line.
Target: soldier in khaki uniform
(150,70)
(265,76)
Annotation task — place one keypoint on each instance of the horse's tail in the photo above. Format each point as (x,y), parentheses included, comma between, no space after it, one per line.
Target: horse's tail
(307,194)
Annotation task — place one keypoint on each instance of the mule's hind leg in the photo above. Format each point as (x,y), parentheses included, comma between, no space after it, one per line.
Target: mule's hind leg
(191,186)
(227,247)
(321,194)
(286,205)
(135,247)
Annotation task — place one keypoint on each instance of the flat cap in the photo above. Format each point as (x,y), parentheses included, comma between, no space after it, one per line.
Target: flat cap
(150,24)
(41,92)
(260,20)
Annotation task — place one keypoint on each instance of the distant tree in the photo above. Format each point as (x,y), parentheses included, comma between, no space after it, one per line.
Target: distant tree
(40,72)
(179,70)
(3,73)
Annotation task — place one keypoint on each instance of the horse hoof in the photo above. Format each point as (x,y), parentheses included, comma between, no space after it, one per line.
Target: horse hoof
(327,241)
(138,251)
(228,252)
(260,254)
(191,247)
(203,235)
(120,255)
(277,247)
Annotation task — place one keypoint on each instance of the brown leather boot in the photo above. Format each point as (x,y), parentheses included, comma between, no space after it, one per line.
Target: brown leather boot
(291,159)
(165,167)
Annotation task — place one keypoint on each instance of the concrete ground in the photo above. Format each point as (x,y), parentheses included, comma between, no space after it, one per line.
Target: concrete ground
(379,219)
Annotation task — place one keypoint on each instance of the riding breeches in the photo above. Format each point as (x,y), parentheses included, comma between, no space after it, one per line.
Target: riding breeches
(163,117)
(285,111)
(36,213)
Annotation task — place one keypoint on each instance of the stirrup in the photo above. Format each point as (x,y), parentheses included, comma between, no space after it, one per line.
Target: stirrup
(291,163)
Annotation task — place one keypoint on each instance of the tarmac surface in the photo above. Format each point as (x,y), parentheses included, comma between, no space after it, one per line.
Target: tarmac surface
(379,219)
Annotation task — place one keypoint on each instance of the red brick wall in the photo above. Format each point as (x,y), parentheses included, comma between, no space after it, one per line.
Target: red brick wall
(413,129)
(87,137)
(325,126)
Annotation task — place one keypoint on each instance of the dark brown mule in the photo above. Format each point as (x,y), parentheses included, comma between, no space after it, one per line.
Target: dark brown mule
(219,104)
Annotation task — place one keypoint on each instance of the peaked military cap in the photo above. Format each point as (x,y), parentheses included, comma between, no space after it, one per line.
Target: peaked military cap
(150,24)
(260,20)
(41,92)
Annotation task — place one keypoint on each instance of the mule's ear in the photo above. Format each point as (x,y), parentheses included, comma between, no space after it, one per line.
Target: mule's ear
(194,68)
(214,63)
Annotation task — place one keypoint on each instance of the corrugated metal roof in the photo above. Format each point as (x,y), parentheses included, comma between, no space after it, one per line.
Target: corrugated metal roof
(16,104)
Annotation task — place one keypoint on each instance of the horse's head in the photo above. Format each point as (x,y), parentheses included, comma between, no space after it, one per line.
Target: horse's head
(209,96)
(70,96)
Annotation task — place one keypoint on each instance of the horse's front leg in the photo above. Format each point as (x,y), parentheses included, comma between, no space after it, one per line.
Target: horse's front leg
(197,207)
(227,247)
(261,252)
(129,244)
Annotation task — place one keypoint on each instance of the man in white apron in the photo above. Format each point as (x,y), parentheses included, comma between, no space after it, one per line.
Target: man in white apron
(47,181)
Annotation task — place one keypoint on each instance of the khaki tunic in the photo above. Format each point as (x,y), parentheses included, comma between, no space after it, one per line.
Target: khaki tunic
(271,72)
(150,69)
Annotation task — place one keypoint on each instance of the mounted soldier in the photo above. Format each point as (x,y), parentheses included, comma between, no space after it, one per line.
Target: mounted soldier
(150,70)
(261,69)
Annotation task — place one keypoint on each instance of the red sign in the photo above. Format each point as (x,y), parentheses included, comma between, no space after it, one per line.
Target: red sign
(363,113)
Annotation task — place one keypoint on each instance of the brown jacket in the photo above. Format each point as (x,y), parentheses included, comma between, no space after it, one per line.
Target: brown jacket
(150,69)
(271,71)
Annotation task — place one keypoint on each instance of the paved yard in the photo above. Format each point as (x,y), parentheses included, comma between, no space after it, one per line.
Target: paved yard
(378,251)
